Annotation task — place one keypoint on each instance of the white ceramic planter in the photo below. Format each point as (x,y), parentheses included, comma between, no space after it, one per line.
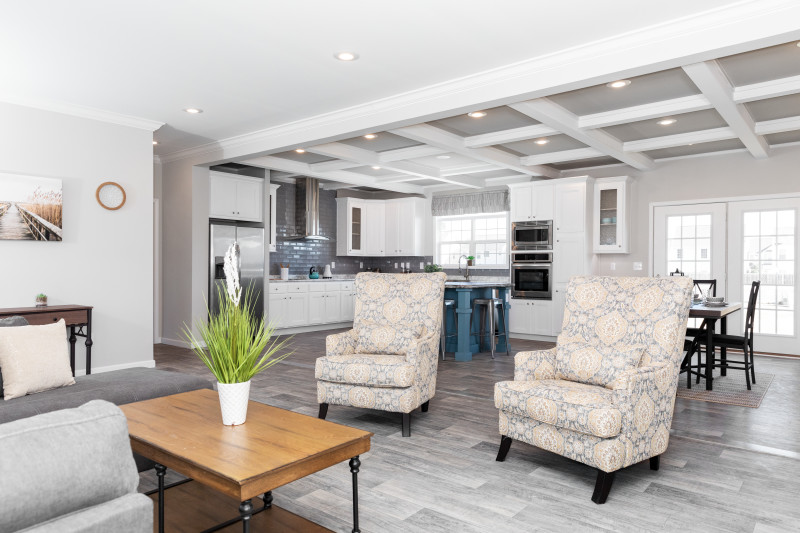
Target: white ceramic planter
(233,398)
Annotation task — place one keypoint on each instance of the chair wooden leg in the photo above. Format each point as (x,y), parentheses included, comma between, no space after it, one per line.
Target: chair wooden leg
(602,486)
(424,406)
(752,363)
(505,445)
(746,367)
(323,411)
(655,462)
(406,424)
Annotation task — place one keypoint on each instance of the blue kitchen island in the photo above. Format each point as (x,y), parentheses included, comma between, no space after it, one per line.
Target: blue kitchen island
(463,292)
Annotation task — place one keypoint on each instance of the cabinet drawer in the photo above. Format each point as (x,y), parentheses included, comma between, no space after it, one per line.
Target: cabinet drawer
(297,287)
(318,287)
(70,317)
(278,287)
(346,286)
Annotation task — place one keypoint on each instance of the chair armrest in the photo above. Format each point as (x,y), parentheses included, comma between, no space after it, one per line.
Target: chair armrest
(646,398)
(630,380)
(529,366)
(423,349)
(341,343)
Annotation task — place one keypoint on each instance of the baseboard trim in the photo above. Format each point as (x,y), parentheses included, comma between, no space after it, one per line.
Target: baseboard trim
(175,342)
(316,327)
(110,368)
(157,340)
(527,337)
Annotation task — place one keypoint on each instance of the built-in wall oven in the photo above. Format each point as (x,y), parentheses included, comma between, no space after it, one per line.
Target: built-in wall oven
(535,235)
(531,275)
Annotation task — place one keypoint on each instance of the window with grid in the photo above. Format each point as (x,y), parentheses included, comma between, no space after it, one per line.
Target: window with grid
(769,257)
(689,245)
(483,236)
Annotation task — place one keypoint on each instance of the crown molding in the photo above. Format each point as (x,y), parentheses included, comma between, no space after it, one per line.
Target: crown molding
(86,112)
(720,31)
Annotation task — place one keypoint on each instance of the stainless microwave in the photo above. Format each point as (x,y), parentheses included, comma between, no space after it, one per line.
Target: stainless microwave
(536,235)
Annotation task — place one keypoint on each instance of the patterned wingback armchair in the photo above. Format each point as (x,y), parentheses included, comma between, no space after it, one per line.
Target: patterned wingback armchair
(604,396)
(388,360)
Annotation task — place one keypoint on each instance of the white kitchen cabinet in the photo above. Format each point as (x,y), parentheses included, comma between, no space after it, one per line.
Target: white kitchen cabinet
(375,230)
(569,256)
(378,228)
(350,219)
(405,224)
(296,310)
(316,308)
(570,208)
(531,201)
(277,310)
(332,307)
(611,220)
(310,303)
(530,317)
(559,303)
(234,197)
(347,305)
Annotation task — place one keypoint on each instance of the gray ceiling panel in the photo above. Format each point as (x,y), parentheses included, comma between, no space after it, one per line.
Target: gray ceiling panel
(698,148)
(557,143)
(783,138)
(775,62)
(496,119)
(772,108)
(686,122)
(306,157)
(384,141)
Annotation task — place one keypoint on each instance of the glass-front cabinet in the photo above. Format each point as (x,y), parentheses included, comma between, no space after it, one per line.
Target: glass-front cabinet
(612,215)
(355,217)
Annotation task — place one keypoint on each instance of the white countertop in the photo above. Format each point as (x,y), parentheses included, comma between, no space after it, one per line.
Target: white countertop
(293,280)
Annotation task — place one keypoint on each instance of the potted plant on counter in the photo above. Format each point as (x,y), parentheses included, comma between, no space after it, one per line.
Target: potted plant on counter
(235,344)
(470,260)
(41,300)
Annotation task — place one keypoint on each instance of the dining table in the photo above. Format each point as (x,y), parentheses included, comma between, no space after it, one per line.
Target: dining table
(710,315)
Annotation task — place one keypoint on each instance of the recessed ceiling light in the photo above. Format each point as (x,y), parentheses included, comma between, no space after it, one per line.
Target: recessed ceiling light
(618,84)
(299,150)
(375,167)
(442,157)
(477,114)
(370,136)
(155,143)
(193,110)
(666,122)
(346,56)
(541,141)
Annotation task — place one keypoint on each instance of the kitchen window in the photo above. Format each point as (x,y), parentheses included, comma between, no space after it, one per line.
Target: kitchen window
(484,236)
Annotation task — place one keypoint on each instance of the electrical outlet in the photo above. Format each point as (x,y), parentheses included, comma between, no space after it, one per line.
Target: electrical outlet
(422,265)
(395,265)
(361,265)
(637,265)
(333,264)
(612,266)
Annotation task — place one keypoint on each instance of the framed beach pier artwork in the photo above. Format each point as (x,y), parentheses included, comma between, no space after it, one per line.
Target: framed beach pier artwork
(30,208)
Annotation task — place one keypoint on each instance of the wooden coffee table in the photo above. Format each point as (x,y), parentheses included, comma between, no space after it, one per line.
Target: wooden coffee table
(274,447)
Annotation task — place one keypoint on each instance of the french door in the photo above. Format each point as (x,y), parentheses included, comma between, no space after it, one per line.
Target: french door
(763,236)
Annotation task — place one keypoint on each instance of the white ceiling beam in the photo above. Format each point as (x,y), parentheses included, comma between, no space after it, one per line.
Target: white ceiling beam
(367,157)
(468,169)
(343,176)
(508,136)
(336,164)
(451,142)
(686,104)
(412,152)
(778,125)
(552,114)
(561,156)
(712,81)
(679,139)
(766,89)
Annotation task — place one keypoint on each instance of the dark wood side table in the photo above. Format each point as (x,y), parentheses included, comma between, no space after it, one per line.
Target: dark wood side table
(77,317)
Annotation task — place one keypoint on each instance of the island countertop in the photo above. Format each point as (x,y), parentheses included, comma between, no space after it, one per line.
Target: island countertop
(475,284)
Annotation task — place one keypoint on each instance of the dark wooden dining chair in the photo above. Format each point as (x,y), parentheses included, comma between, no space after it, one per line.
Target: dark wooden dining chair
(706,287)
(739,342)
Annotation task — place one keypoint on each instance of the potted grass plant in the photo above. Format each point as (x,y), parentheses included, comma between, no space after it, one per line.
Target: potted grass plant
(235,344)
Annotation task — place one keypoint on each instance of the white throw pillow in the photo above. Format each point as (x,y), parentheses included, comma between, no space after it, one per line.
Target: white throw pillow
(34,359)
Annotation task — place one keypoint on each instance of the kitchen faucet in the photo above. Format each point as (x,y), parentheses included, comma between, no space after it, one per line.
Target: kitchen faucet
(466,275)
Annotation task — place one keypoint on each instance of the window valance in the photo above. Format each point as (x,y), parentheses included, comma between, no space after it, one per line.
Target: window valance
(471,203)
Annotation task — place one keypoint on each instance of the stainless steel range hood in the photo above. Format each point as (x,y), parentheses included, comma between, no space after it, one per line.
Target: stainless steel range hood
(309,219)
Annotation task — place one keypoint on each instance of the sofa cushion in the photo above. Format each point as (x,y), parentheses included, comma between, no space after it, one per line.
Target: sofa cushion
(132,513)
(366,369)
(34,359)
(594,364)
(119,387)
(10,322)
(383,339)
(580,407)
(72,459)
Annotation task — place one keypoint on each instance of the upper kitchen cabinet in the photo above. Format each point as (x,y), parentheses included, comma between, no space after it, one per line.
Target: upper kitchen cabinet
(350,218)
(234,197)
(611,219)
(378,228)
(404,226)
(532,201)
(374,229)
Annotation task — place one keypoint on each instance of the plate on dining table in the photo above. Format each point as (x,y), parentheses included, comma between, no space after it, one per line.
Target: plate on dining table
(716,304)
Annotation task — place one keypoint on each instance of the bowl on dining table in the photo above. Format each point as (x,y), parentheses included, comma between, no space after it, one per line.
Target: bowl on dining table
(715,299)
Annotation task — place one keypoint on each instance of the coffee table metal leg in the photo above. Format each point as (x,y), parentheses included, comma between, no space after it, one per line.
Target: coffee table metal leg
(161,470)
(246,510)
(355,462)
(267,500)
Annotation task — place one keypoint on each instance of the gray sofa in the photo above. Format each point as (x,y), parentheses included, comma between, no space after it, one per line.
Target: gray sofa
(71,471)
(118,387)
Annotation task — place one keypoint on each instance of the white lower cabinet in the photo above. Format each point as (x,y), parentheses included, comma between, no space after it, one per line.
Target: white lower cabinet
(559,302)
(300,304)
(531,317)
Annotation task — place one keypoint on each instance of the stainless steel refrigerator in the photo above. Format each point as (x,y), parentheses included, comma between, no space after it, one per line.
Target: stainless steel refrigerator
(251,260)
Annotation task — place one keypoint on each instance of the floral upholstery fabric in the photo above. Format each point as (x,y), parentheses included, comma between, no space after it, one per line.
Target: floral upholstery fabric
(386,340)
(595,364)
(605,312)
(394,313)
(577,406)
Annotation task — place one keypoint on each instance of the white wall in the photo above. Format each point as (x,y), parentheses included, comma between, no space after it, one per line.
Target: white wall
(726,175)
(106,258)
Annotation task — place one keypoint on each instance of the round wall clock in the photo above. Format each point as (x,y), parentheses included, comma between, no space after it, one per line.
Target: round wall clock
(111,195)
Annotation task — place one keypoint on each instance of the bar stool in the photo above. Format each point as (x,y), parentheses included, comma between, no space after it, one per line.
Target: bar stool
(491,305)
(448,304)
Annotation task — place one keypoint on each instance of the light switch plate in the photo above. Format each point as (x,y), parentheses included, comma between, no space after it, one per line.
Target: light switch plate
(395,265)
(361,265)
(612,266)
(422,265)
(637,265)
(333,264)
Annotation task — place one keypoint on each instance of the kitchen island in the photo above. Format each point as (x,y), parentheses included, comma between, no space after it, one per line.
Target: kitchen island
(463,292)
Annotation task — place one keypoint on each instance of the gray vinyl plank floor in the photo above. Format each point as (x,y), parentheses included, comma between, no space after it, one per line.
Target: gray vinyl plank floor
(727,468)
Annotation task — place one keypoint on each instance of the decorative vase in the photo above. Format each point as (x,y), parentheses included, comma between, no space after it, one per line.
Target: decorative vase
(233,398)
